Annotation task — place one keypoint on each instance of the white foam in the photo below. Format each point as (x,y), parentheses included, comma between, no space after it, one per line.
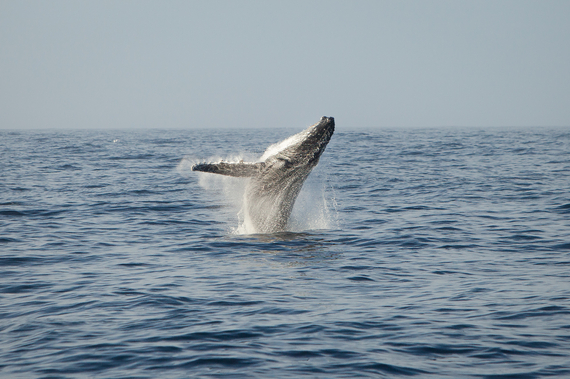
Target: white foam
(315,207)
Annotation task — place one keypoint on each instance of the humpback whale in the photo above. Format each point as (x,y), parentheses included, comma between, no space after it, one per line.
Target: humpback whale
(275,181)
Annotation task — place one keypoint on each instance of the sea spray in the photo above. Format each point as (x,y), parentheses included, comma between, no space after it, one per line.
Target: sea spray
(315,207)
(227,190)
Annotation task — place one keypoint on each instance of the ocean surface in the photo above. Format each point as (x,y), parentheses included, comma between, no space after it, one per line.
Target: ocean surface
(427,253)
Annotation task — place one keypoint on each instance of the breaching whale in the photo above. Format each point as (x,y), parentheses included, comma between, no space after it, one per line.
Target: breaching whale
(275,181)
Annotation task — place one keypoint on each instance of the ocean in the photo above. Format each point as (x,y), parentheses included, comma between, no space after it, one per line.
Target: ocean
(426,253)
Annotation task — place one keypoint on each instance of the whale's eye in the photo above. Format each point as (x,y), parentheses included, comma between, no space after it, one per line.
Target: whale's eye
(286,162)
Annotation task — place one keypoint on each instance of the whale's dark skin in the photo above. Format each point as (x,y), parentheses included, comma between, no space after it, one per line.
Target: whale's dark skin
(275,183)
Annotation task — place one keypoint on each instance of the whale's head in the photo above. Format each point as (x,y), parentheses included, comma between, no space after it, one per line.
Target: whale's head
(318,137)
(305,148)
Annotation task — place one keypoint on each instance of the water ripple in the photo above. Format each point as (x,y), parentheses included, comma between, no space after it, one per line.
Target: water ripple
(445,255)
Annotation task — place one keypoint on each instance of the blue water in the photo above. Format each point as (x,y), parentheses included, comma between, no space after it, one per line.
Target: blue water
(428,253)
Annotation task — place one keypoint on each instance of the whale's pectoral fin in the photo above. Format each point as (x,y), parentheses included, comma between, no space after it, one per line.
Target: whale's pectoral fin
(231,169)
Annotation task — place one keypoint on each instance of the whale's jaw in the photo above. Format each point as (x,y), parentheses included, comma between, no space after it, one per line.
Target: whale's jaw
(276,182)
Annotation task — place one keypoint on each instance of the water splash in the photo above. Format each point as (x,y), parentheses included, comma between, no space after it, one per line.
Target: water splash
(232,189)
(316,206)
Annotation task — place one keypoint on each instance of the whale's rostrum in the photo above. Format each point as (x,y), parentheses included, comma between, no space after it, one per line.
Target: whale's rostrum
(276,180)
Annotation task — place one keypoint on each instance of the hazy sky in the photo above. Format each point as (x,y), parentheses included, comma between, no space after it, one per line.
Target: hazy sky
(210,64)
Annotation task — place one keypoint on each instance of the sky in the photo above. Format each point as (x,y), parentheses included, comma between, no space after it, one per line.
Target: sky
(283,64)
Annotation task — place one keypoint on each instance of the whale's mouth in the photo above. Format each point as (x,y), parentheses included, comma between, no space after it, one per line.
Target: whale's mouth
(323,130)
